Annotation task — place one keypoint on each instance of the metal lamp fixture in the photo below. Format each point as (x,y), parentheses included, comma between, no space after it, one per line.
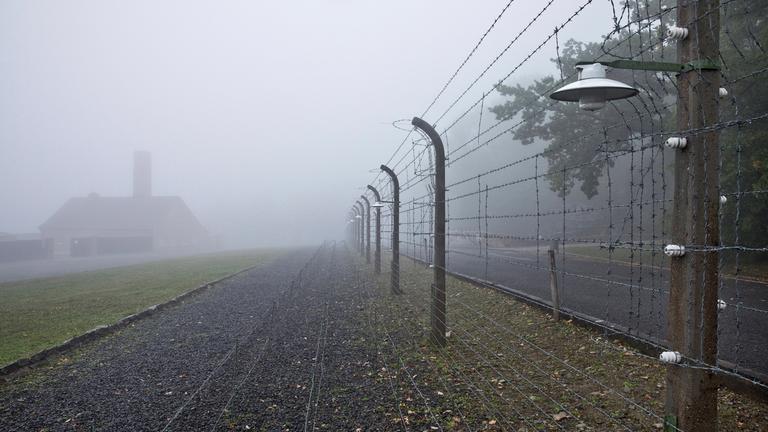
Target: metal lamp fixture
(593,89)
(378,204)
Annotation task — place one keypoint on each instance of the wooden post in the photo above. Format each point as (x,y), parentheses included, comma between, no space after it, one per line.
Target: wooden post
(691,402)
(553,286)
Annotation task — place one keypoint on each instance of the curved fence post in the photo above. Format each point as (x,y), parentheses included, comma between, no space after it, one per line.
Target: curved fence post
(437,317)
(395,229)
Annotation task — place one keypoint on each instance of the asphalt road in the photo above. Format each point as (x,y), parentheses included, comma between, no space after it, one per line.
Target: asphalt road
(632,297)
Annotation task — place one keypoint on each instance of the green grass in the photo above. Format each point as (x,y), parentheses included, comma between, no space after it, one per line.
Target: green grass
(620,254)
(753,270)
(39,313)
(522,361)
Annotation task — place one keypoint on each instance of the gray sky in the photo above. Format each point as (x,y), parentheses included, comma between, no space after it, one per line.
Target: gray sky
(264,116)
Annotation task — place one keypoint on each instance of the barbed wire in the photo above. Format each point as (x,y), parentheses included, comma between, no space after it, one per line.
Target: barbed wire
(466,59)
(501,54)
(608,237)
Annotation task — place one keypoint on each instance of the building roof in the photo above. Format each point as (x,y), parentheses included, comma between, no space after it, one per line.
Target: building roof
(122,214)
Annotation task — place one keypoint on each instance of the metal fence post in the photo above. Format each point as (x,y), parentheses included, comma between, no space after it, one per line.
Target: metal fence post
(438,288)
(355,227)
(395,229)
(691,402)
(367,223)
(377,253)
(361,244)
(351,227)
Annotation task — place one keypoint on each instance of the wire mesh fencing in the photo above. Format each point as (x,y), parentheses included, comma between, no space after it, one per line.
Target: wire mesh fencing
(644,218)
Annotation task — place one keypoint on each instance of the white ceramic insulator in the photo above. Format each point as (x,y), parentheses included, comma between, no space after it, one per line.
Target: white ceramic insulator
(670,357)
(723,199)
(721,304)
(677,33)
(674,250)
(723,92)
(676,142)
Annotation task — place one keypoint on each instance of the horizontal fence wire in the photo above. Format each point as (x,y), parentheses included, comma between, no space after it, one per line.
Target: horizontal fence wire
(539,192)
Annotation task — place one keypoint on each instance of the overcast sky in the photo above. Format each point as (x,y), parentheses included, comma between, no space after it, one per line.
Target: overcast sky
(266,117)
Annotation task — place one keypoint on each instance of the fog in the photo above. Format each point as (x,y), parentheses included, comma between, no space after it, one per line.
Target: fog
(267,118)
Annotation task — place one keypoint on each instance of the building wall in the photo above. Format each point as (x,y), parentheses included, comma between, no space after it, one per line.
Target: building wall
(177,237)
(61,239)
(90,246)
(22,250)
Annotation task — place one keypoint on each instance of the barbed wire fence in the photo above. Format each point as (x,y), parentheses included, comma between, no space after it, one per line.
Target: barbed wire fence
(651,208)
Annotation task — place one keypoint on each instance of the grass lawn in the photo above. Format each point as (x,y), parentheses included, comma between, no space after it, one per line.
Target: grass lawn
(754,270)
(38,313)
(620,254)
(505,360)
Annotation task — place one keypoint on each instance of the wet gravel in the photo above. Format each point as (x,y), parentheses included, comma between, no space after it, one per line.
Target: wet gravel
(313,341)
(286,346)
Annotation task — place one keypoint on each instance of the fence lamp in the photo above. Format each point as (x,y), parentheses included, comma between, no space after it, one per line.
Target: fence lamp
(592,89)
(377,204)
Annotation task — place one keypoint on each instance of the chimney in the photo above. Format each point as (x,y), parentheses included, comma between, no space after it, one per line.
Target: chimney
(142,174)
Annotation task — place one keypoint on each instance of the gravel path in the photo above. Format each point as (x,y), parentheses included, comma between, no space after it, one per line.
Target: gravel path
(293,345)
(313,341)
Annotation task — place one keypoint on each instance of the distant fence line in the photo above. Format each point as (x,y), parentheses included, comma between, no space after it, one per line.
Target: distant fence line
(646,217)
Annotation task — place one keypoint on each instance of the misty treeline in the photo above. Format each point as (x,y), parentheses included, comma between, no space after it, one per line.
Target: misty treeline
(591,159)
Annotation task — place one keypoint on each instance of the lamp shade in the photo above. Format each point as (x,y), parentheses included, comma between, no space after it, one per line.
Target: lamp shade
(377,204)
(593,89)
